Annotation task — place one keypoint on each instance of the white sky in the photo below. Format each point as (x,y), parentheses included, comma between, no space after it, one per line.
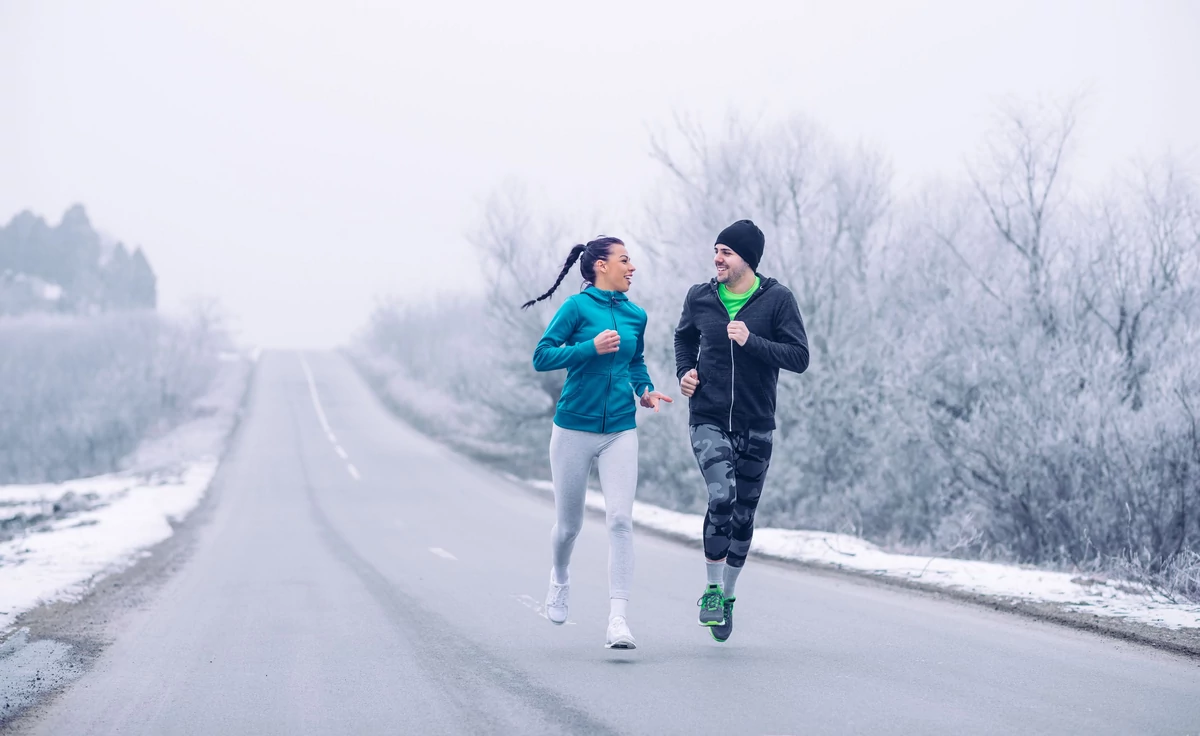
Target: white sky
(297,159)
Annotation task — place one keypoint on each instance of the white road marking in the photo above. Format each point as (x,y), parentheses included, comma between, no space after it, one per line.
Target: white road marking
(312,389)
(442,553)
(532,604)
(316,400)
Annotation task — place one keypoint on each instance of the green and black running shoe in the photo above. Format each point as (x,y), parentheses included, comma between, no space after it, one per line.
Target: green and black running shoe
(712,606)
(721,631)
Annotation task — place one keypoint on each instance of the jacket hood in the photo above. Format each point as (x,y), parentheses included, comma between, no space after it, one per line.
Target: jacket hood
(765,282)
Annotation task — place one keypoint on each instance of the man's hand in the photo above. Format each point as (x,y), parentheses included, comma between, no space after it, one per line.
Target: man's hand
(689,383)
(739,333)
(607,342)
(650,399)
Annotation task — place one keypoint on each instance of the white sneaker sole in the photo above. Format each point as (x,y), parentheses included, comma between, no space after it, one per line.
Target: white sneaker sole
(621,644)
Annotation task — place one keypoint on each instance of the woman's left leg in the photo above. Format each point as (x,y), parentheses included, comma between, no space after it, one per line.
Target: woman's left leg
(618,468)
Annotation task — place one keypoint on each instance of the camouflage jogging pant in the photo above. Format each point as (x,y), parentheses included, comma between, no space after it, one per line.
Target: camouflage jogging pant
(734,466)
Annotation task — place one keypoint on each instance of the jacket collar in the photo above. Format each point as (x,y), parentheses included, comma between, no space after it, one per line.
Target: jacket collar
(604,297)
(764,283)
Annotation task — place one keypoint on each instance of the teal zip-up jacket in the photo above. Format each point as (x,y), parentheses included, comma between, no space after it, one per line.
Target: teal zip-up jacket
(600,391)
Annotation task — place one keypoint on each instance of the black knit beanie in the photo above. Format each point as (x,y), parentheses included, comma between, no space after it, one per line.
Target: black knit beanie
(744,238)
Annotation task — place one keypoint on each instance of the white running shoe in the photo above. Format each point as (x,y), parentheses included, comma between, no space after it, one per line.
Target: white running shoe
(556,601)
(619,636)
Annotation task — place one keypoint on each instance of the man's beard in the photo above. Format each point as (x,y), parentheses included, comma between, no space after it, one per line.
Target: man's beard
(732,276)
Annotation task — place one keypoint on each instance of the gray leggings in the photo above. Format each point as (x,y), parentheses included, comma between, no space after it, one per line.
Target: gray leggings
(571,456)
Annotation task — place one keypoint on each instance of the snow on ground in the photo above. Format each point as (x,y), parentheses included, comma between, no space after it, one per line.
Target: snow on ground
(1130,601)
(56,539)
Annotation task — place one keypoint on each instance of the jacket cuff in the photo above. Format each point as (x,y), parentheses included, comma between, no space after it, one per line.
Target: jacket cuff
(586,349)
(755,345)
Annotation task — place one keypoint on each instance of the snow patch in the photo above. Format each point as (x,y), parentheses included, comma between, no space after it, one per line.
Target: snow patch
(60,547)
(1112,598)
(62,561)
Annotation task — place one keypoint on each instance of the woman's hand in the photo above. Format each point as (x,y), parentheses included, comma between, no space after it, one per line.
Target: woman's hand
(607,342)
(650,399)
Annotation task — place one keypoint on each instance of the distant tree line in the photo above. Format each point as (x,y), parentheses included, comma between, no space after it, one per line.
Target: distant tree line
(88,367)
(69,268)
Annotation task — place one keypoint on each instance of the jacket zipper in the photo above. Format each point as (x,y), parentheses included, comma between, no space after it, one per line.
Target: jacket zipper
(608,386)
(732,362)
(732,375)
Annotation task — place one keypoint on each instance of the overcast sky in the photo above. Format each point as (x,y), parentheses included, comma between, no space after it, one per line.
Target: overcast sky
(297,159)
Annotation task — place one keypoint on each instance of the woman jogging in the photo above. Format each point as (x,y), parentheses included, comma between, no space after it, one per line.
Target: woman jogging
(597,335)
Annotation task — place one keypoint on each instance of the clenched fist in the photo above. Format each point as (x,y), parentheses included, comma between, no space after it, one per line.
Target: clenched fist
(739,333)
(607,342)
(689,383)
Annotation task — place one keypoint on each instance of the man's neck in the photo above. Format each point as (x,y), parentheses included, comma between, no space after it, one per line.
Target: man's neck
(743,284)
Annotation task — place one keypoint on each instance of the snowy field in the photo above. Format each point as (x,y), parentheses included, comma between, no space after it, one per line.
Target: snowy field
(56,539)
(1126,600)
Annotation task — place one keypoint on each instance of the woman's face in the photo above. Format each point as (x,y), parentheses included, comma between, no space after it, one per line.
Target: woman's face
(615,273)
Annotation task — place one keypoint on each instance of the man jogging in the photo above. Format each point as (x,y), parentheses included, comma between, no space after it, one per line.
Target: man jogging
(735,333)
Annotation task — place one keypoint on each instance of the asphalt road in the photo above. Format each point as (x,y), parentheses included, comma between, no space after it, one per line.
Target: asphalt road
(356,578)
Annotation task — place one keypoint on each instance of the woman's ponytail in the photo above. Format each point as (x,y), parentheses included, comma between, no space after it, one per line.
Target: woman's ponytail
(574,256)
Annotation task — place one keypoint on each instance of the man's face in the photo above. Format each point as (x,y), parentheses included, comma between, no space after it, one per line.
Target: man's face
(730,266)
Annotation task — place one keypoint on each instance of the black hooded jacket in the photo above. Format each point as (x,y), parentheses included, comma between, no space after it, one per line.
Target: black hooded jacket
(738,382)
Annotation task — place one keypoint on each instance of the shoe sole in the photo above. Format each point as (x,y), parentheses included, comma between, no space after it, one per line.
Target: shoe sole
(713,623)
(620,644)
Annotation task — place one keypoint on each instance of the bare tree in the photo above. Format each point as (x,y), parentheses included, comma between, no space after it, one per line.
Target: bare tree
(820,207)
(1019,186)
(1142,266)
(521,258)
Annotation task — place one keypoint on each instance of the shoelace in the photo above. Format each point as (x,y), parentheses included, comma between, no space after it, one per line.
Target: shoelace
(560,595)
(710,601)
(618,628)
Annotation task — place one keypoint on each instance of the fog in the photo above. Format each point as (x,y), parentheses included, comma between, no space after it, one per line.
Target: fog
(299,160)
(264,350)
